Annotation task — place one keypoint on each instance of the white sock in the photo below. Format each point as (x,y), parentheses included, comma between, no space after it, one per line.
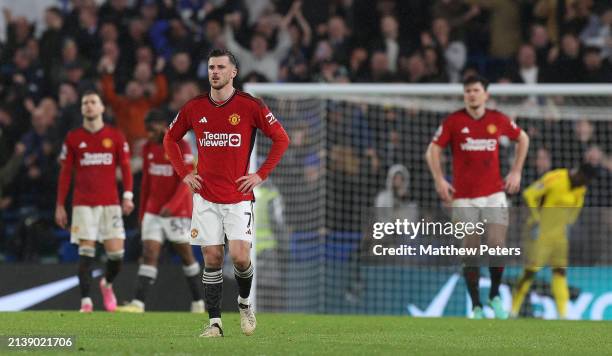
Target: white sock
(86,300)
(216,321)
(138,303)
(243,301)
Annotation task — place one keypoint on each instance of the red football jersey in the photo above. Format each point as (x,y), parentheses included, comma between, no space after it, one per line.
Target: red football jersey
(161,187)
(475,149)
(95,157)
(225,134)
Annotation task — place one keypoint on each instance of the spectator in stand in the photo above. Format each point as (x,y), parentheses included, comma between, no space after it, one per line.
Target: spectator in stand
(358,64)
(454,52)
(565,65)
(24,73)
(598,32)
(294,67)
(258,59)
(380,71)
(505,26)
(170,36)
(130,109)
(413,69)
(526,69)
(52,39)
(35,183)
(339,39)
(596,69)
(180,68)
(389,43)
(457,13)
(88,37)
(540,41)
(18,31)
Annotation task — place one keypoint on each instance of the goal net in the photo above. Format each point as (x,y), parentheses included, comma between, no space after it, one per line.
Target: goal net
(349,142)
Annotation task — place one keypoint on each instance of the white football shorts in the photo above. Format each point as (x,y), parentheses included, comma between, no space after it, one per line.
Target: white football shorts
(212,222)
(96,223)
(158,228)
(492,209)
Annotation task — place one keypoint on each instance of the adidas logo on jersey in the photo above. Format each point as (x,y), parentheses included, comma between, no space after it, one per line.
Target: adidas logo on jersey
(203,120)
(465,130)
(82,145)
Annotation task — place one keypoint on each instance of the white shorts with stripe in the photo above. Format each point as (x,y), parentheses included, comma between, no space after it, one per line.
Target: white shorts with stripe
(212,222)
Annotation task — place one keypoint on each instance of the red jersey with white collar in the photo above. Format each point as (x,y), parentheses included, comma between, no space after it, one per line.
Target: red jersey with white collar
(94,156)
(225,134)
(475,148)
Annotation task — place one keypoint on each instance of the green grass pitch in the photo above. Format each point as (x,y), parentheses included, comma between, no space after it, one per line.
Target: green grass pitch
(298,334)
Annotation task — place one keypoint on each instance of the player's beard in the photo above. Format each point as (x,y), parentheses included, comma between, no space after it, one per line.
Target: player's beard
(220,84)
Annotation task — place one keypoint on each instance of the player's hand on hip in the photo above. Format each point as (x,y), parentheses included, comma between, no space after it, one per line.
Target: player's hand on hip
(127,206)
(445,190)
(193,181)
(248,182)
(61,218)
(513,182)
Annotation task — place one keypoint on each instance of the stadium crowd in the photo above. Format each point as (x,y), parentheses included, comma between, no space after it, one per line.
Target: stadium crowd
(145,54)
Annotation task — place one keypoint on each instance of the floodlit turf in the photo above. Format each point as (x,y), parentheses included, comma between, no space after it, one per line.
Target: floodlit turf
(298,334)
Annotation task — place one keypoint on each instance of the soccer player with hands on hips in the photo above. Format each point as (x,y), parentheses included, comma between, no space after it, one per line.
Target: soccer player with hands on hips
(164,213)
(477,192)
(224,122)
(93,152)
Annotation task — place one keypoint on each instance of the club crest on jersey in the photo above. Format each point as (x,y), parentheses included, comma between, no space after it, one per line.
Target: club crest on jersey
(491,129)
(194,233)
(234,119)
(107,143)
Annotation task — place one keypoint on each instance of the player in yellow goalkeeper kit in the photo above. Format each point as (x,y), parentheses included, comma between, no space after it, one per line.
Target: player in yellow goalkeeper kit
(555,201)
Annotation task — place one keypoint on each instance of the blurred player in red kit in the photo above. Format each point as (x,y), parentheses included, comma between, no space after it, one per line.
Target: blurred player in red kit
(225,122)
(477,191)
(164,213)
(93,152)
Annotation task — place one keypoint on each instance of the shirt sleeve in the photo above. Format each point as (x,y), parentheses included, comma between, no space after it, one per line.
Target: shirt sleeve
(271,127)
(510,128)
(442,135)
(123,159)
(67,161)
(177,129)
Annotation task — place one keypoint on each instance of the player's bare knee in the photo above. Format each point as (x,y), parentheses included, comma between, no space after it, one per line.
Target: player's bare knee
(241,260)
(213,258)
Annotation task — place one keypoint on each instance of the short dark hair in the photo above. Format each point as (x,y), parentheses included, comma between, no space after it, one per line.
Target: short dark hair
(88,92)
(155,115)
(223,53)
(473,79)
